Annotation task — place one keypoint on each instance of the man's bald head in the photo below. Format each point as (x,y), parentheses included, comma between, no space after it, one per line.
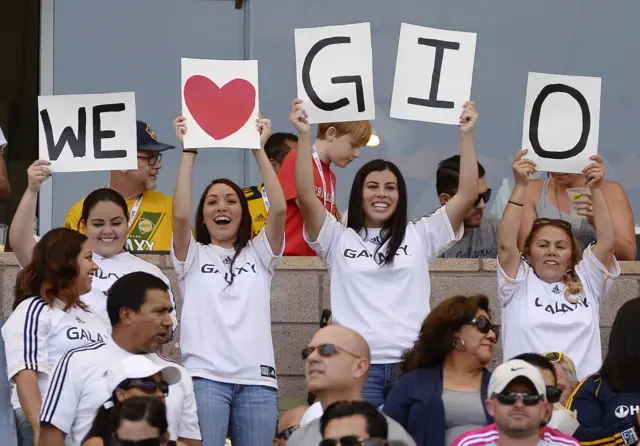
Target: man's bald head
(338,364)
(291,418)
(343,337)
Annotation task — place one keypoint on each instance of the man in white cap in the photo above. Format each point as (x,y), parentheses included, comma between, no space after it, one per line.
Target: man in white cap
(517,402)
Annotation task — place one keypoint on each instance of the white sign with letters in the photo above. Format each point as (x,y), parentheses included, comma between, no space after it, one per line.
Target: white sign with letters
(434,70)
(561,121)
(88,132)
(334,69)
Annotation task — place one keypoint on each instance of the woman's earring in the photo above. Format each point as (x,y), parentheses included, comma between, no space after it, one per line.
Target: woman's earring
(460,349)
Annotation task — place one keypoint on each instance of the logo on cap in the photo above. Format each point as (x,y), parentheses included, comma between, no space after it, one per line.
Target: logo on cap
(151,133)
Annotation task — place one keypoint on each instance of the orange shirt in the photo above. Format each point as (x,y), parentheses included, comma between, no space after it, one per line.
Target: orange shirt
(294,242)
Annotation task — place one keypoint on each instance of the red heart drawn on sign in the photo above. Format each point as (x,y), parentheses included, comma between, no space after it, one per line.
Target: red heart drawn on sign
(220,112)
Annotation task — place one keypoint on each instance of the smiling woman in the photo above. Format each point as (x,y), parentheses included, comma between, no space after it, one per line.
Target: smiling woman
(552,298)
(226,278)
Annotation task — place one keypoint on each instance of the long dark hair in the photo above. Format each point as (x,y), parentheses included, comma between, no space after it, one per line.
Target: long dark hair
(621,366)
(52,270)
(394,228)
(244,230)
(140,408)
(436,338)
(98,196)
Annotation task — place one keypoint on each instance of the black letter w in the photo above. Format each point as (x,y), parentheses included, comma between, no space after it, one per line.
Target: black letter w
(78,145)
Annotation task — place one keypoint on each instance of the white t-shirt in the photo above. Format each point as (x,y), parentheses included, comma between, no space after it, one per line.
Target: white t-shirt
(386,305)
(36,335)
(111,269)
(537,318)
(226,330)
(79,388)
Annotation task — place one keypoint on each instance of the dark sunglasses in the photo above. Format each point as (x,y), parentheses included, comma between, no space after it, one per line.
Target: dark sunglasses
(325,350)
(483,324)
(145,442)
(147,385)
(509,399)
(546,221)
(352,440)
(151,159)
(485,196)
(553,394)
(285,434)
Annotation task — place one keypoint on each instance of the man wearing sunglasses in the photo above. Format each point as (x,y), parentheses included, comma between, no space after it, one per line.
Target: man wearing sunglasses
(559,428)
(480,239)
(149,211)
(337,362)
(351,423)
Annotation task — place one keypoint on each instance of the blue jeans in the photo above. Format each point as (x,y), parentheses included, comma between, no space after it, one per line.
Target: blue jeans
(381,379)
(250,411)
(25,431)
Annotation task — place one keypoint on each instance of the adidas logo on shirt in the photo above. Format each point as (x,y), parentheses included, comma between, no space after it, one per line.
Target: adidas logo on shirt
(260,217)
(375,240)
(227,261)
(80,321)
(556,289)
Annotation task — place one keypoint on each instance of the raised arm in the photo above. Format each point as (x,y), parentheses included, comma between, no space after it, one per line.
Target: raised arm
(182,195)
(508,252)
(274,227)
(21,230)
(313,211)
(624,234)
(529,214)
(467,194)
(603,249)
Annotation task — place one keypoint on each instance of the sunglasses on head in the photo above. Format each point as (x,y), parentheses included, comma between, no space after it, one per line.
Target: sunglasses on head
(352,440)
(145,442)
(286,433)
(559,357)
(147,385)
(483,324)
(509,399)
(485,196)
(325,350)
(546,221)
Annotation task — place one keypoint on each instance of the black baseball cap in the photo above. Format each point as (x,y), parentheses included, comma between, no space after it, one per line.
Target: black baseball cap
(147,139)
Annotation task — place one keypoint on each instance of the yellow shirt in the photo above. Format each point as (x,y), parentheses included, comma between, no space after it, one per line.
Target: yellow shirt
(257,208)
(150,229)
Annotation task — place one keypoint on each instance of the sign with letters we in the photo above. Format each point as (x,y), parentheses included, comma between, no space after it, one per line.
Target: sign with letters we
(88,132)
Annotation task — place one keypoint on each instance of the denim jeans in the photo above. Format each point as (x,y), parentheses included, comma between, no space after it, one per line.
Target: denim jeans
(250,411)
(381,379)
(25,431)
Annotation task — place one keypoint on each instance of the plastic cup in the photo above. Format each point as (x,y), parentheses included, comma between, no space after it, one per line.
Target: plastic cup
(575,194)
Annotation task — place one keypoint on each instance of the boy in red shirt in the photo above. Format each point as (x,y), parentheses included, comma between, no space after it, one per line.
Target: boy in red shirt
(338,143)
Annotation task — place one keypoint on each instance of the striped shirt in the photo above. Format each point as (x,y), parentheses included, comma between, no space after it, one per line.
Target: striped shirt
(488,436)
(37,335)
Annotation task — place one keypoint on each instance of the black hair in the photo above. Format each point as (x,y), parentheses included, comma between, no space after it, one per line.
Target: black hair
(377,426)
(244,230)
(130,291)
(540,362)
(141,408)
(448,175)
(621,365)
(97,196)
(395,228)
(276,146)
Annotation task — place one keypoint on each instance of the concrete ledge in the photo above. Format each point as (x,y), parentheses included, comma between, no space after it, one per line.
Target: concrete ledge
(301,290)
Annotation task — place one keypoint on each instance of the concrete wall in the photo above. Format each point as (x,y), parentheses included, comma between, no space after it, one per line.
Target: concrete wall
(301,290)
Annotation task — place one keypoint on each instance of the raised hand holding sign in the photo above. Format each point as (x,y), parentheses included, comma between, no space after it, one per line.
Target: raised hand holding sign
(220,102)
(88,132)
(561,121)
(434,69)
(334,66)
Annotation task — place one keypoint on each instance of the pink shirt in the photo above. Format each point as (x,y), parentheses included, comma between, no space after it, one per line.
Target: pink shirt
(489,435)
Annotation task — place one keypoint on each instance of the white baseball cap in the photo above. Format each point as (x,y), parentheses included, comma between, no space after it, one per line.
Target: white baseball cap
(139,366)
(516,368)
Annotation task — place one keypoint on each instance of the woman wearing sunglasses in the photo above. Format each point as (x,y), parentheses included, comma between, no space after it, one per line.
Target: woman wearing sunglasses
(133,376)
(379,262)
(566,372)
(442,391)
(139,421)
(551,293)
(549,198)
(608,402)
